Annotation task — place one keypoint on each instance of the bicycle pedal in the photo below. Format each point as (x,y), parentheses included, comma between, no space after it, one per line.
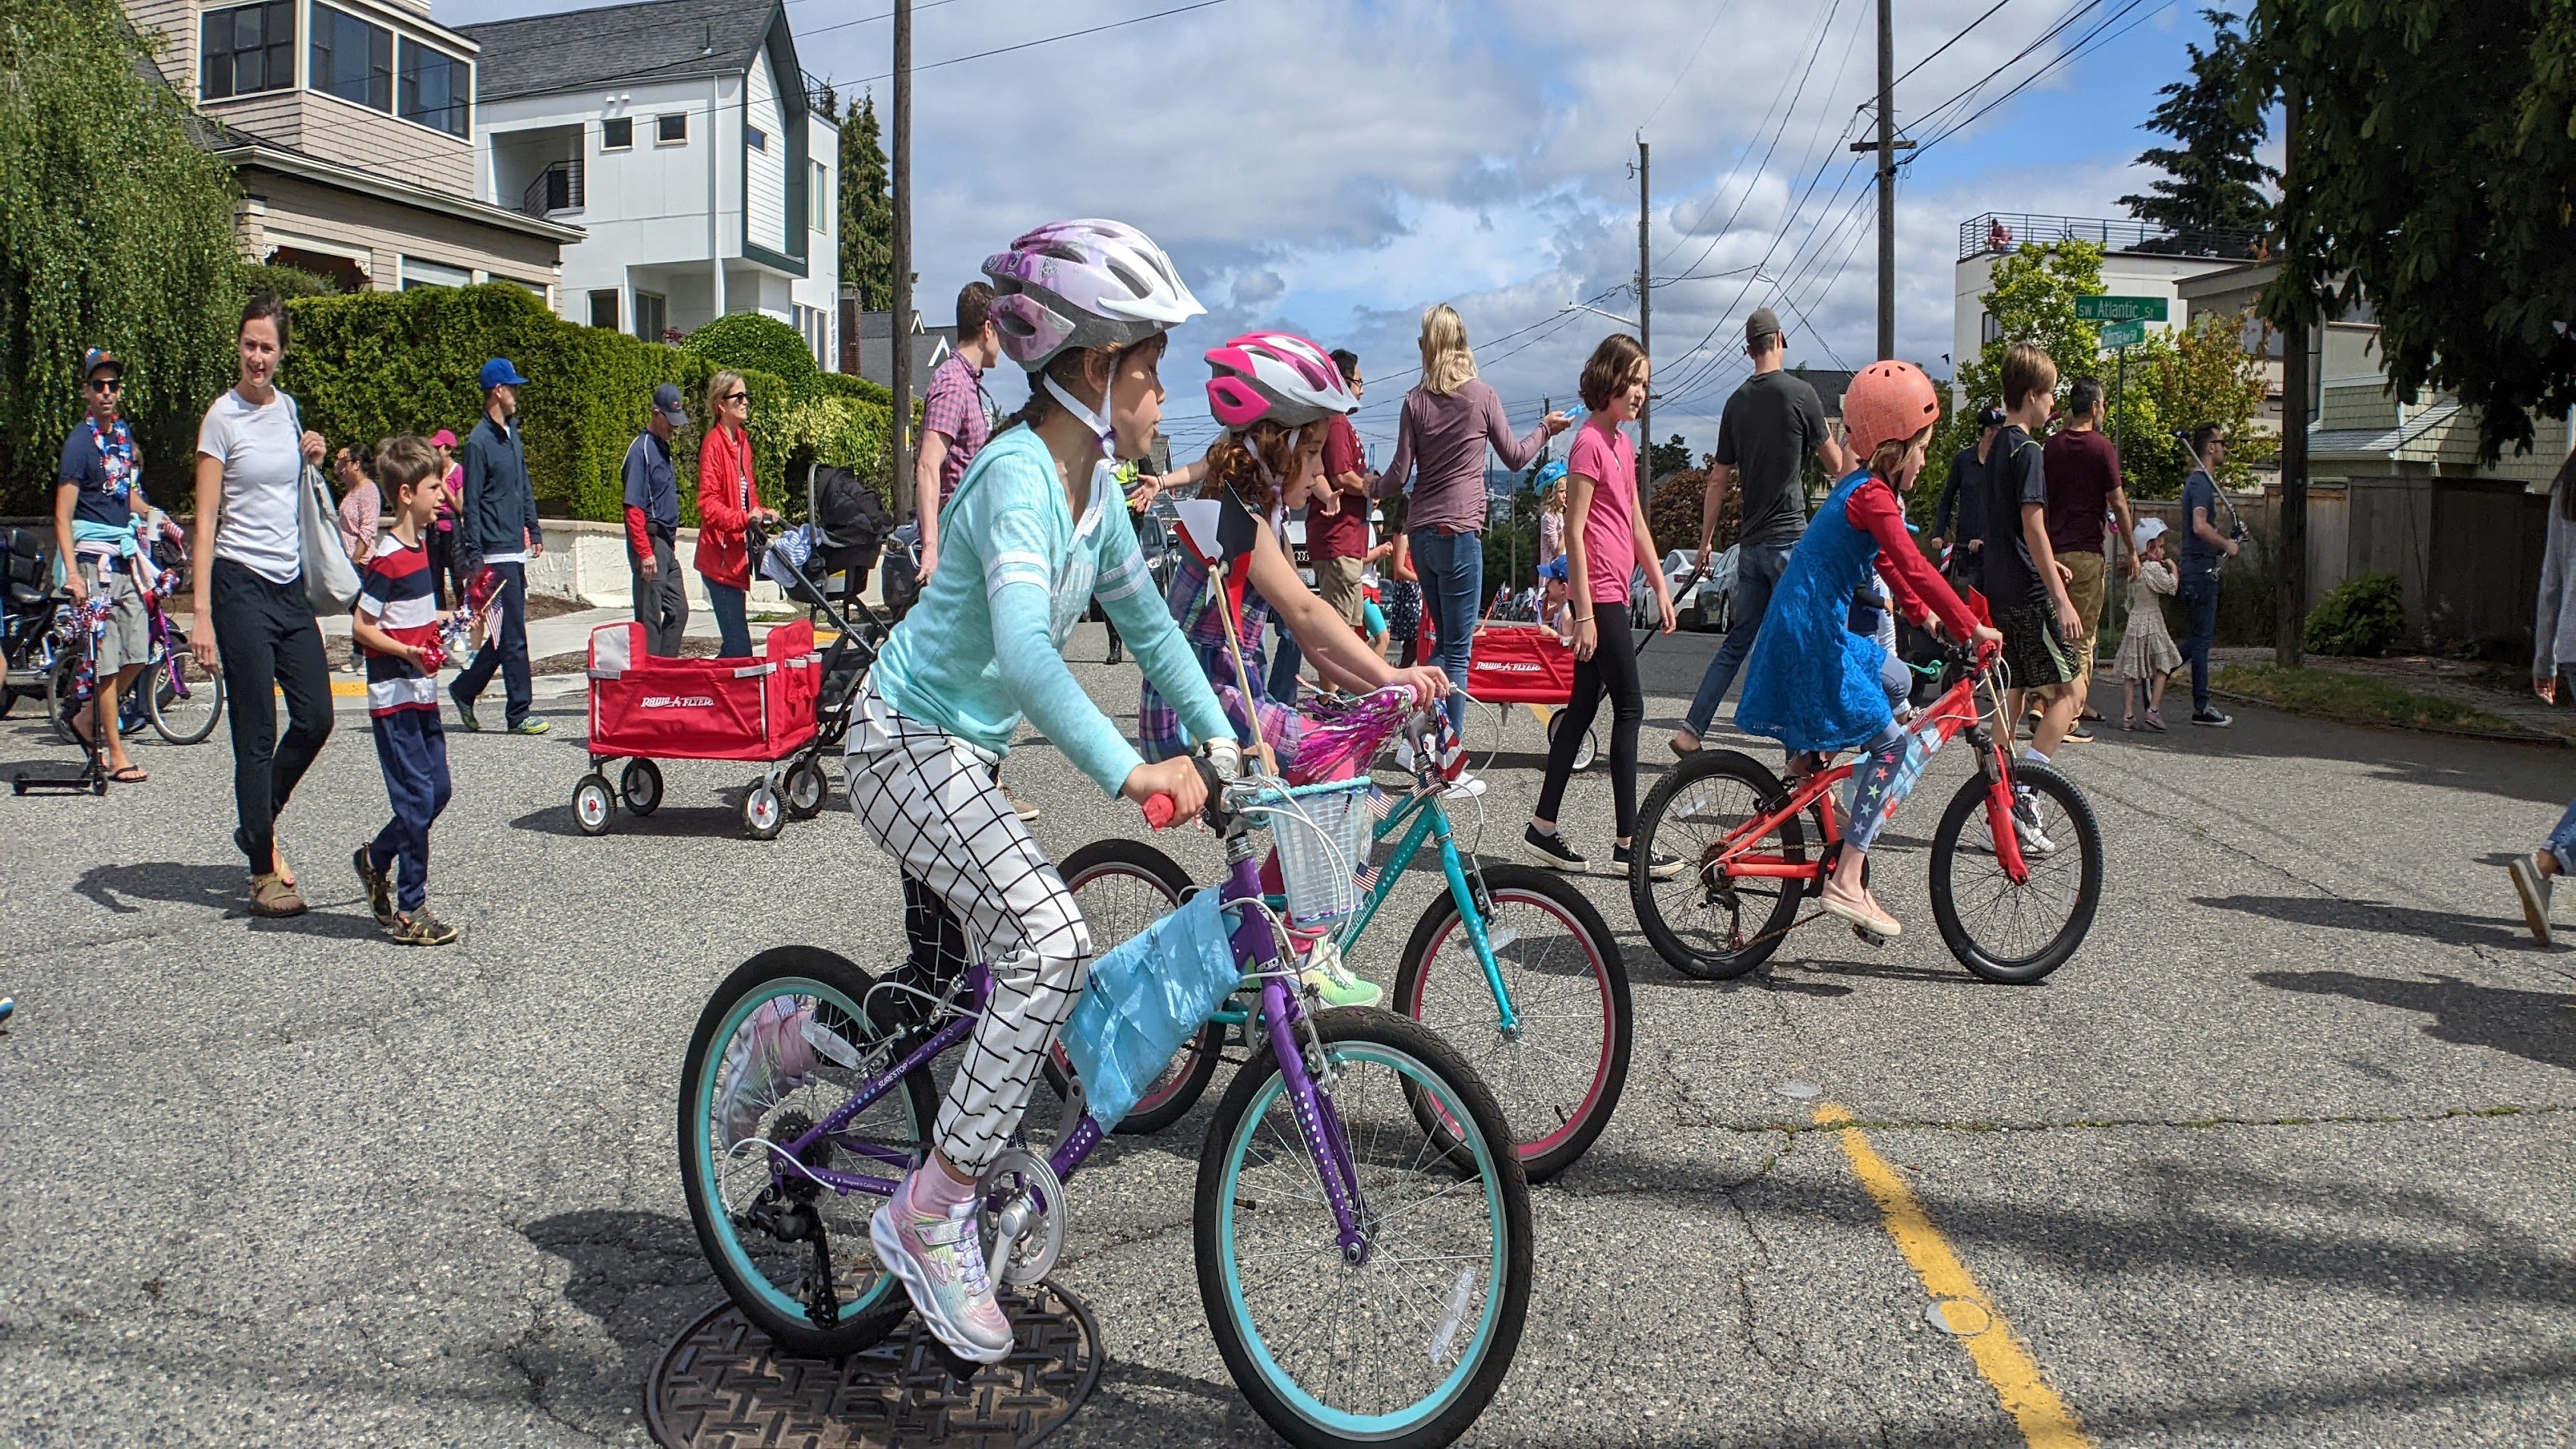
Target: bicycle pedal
(1869,937)
(960,1371)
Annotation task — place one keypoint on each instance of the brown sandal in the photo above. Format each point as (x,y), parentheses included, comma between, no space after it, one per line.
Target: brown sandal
(272,896)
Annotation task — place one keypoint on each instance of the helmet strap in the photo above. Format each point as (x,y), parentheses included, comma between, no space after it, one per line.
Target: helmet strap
(1098,422)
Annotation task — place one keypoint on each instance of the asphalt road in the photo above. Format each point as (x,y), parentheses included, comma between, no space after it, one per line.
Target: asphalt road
(2283,1156)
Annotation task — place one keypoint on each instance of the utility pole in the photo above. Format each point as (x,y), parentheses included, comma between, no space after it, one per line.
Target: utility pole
(901,357)
(2290,534)
(1886,145)
(1645,331)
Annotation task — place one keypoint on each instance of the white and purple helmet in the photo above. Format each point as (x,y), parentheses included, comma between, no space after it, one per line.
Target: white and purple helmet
(1275,375)
(1083,283)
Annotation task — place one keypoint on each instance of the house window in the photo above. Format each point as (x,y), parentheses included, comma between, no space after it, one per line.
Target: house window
(755,138)
(671,130)
(603,308)
(436,88)
(652,314)
(248,49)
(419,273)
(1988,329)
(352,59)
(617,133)
(819,197)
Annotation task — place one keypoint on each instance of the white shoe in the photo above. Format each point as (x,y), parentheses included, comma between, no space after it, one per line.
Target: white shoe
(2026,825)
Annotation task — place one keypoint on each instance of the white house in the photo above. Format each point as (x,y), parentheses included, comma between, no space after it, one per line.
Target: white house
(684,139)
(2139,259)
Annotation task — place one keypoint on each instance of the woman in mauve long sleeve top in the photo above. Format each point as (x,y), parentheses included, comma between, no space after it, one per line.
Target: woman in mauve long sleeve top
(1440,442)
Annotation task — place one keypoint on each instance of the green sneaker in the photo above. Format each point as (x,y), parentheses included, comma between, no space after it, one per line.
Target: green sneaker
(1332,983)
(530,726)
(465,719)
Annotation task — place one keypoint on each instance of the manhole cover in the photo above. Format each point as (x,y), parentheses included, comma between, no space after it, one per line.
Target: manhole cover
(722,1385)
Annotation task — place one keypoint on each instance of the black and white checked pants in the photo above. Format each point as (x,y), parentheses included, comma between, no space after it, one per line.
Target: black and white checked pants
(928,797)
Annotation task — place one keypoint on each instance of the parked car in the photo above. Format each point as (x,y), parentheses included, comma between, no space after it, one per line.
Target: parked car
(1699,605)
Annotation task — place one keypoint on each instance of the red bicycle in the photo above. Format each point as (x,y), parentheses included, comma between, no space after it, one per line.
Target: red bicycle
(2016,859)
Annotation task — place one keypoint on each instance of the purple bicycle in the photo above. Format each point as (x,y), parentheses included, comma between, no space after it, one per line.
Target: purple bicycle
(182,701)
(1361,1229)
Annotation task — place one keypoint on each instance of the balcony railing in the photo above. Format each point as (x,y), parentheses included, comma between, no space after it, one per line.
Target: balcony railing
(557,188)
(2001,231)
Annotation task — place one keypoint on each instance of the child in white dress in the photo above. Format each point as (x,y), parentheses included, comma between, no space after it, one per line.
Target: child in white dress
(2147,653)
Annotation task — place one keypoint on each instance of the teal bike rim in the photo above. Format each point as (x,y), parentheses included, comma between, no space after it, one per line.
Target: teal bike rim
(703,1145)
(1305,1405)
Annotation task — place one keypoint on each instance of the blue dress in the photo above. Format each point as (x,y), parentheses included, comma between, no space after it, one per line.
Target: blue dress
(1813,684)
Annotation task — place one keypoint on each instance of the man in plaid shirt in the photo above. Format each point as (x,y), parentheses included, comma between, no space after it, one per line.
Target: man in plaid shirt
(953,424)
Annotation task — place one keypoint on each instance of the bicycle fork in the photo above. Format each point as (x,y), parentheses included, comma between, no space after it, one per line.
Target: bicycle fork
(1309,1088)
(1473,902)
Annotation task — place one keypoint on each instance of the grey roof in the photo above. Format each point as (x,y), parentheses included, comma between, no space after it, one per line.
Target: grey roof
(656,40)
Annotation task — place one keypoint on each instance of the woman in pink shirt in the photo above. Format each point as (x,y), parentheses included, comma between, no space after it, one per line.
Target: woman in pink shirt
(1605,538)
(1449,419)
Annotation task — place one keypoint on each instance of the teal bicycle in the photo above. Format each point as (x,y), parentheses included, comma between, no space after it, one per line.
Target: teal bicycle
(1510,965)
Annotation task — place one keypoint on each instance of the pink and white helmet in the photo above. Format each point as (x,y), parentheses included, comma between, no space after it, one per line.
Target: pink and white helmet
(1086,283)
(1275,375)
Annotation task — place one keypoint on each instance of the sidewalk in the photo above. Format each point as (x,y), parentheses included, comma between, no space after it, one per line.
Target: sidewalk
(2461,681)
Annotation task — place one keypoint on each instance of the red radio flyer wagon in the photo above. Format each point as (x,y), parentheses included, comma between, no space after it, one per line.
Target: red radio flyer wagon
(644,708)
(1524,664)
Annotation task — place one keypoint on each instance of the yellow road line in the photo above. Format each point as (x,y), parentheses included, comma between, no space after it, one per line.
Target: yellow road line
(2000,1356)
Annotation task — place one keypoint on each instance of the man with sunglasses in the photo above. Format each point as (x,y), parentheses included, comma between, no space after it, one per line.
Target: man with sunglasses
(98,497)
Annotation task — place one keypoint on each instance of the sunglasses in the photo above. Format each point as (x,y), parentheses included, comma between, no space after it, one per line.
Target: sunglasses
(106,384)
(740,397)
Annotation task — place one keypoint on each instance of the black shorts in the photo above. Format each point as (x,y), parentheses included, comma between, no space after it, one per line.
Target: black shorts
(2033,650)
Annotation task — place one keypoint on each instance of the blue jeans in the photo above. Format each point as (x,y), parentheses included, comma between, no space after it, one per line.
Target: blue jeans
(726,603)
(1452,567)
(505,648)
(1282,685)
(2562,841)
(1757,570)
(2200,604)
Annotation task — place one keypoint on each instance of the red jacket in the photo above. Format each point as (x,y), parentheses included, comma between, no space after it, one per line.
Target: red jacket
(727,493)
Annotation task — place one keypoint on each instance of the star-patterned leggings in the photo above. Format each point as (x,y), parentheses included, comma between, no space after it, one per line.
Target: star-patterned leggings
(1881,779)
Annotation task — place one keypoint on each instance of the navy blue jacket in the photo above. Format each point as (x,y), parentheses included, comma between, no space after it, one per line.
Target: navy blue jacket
(500,504)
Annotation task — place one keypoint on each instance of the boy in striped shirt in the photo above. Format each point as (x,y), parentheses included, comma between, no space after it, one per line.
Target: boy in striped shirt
(396,618)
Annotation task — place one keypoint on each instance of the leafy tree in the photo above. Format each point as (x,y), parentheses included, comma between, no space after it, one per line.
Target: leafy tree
(867,209)
(752,341)
(2032,299)
(2197,374)
(1669,457)
(2217,184)
(118,232)
(2433,170)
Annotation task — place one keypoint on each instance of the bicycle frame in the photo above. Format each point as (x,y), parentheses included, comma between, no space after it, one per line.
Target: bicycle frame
(1947,717)
(1256,949)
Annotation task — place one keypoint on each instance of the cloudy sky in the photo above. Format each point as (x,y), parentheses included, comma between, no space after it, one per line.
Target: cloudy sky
(1333,166)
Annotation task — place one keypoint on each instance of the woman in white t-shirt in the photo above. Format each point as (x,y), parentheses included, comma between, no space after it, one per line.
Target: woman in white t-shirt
(252,618)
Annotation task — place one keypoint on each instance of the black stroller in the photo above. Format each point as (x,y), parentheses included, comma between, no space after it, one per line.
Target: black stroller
(847,532)
(29,606)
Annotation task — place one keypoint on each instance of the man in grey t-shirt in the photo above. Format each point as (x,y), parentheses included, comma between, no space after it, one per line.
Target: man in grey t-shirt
(1769,427)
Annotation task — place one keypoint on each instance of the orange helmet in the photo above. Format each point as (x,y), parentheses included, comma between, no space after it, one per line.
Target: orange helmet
(1888,402)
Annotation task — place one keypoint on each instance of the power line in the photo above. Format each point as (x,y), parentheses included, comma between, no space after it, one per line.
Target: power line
(1687,64)
(1953,40)
(2081,47)
(1047,40)
(1816,45)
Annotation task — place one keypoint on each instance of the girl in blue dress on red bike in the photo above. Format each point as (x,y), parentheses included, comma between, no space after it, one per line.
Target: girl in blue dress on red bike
(1812,683)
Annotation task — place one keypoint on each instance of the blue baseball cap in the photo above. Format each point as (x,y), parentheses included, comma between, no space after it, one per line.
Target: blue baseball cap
(499,373)
(1553,569)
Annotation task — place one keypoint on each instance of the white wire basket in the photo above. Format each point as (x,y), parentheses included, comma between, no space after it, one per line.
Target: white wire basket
(1323,834)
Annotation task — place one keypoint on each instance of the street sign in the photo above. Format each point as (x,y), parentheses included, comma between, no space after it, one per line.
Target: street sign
(2124,334)
(2098,308)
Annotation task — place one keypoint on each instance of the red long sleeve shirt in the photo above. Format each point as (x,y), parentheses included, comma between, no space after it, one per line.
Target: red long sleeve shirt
(1917,587)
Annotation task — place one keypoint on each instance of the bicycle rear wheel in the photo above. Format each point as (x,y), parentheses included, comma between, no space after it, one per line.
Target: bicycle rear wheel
(1558,1074)
(783,1043)
(1406,1345)
(1123,886)
(184,699)
(1704,923)
(2010,931)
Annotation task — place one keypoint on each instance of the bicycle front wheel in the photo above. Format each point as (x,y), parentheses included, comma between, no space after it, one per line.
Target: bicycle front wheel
(1557,1073)
(1705,923)
(185,700)
(1123,886)
(1404,1339)
(2011,931)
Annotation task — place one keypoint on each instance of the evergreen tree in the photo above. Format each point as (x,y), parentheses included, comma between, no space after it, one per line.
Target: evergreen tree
(1671,457)
(867,210)
(2217,184)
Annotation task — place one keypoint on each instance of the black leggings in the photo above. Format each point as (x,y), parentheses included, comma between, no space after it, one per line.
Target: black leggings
(268,642)
(1611,670)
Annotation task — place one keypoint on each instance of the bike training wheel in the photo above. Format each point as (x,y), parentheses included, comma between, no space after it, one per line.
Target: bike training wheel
(804,789)
(184,718)
(2007,932)
(1124,886)
(1704,924)
(1407,1347)
(1558,1077)
(783,1042)
(639,786)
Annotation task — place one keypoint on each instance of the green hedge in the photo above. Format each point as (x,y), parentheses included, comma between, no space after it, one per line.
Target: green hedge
(749,342)
(367,366)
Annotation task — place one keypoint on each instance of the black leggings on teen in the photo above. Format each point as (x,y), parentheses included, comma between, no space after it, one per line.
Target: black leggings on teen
(1611,670)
